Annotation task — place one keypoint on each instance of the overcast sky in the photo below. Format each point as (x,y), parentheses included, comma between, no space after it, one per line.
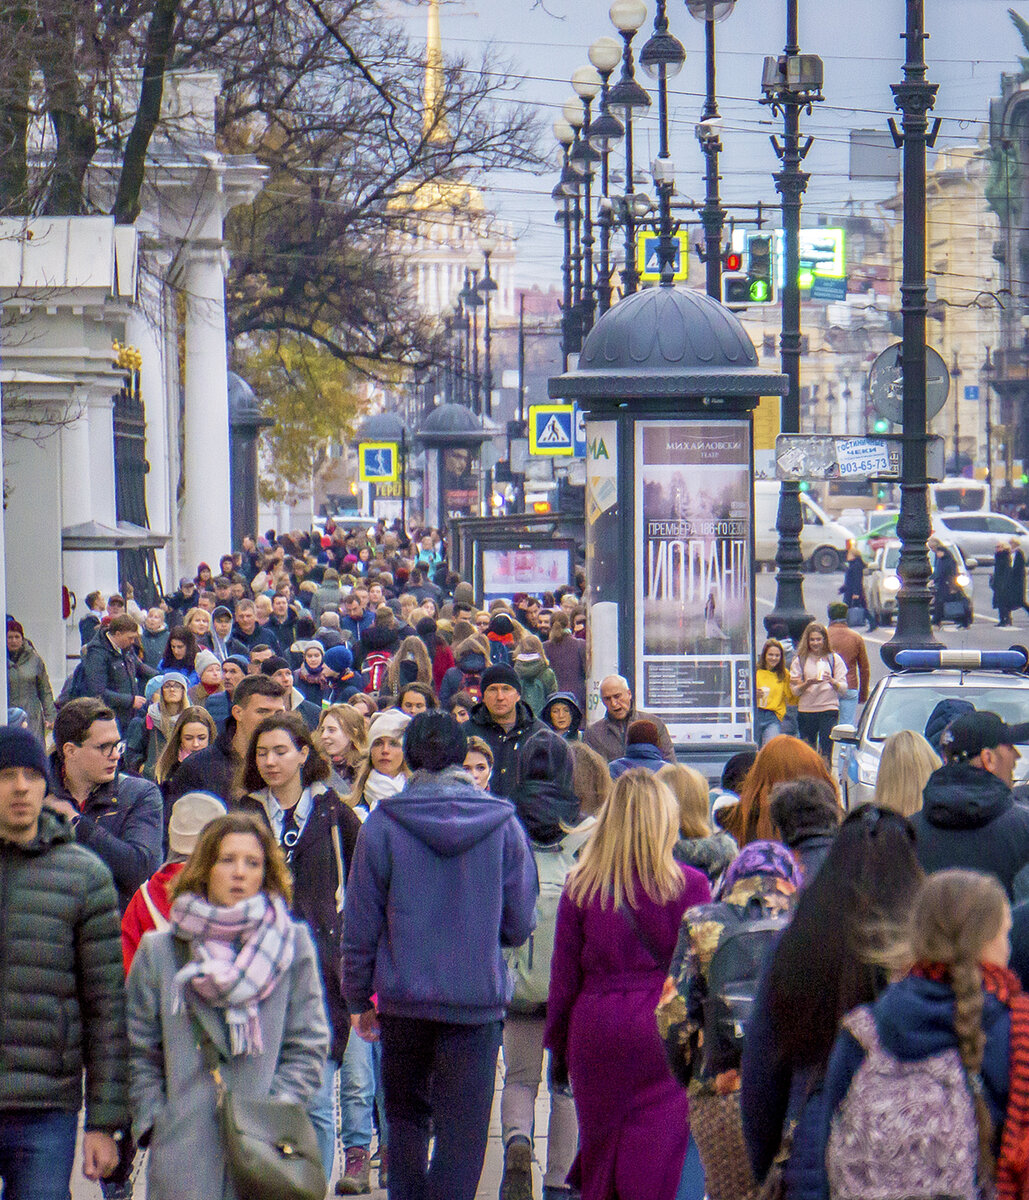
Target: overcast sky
(971,43)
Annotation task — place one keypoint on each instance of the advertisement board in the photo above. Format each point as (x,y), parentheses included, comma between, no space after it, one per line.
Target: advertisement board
(693,585)
(605,559)
(508,570)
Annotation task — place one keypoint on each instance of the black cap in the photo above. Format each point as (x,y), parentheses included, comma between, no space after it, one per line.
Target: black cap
(969,735)
(273,664)
(500,673)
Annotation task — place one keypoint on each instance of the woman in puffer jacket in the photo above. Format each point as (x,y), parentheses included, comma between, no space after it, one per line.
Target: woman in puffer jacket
(532,668)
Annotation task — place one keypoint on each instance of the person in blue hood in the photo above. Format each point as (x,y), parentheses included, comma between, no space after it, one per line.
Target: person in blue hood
(642,749)
(442,879)
(563,714)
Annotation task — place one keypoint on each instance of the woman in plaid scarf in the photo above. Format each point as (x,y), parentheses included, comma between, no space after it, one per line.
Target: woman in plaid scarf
(236,961)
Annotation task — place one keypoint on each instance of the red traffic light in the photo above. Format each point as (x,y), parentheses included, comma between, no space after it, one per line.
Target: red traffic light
(733,260)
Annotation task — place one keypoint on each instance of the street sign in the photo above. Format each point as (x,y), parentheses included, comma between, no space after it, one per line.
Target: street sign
(648,259)
(823,288)
(886,386)
(579,432)
(378,462)
(816,456)
(552,430)
(972,391)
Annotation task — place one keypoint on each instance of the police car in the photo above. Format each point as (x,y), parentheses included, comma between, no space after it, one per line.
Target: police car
(990,680)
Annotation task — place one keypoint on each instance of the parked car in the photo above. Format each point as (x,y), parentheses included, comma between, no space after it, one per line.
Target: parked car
(882,583)
(976,534)
(991,680)
(823,541)
(882,526)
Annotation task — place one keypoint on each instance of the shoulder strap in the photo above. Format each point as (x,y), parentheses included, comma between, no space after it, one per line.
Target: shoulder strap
(161,923)
(644,938)
(860,1023)
(205,1044)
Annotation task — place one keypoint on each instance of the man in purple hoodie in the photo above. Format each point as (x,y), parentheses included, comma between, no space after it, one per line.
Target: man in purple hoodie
(442,879)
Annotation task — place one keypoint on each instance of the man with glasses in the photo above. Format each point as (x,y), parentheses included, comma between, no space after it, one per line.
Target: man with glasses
(119,817)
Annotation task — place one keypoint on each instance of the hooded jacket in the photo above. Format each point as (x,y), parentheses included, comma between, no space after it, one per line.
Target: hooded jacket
(110,676)
(441,846)
(538,681)
(544,798)
(941,716)
(62,991)
(28,687)
(970,819)
(468,661)
(639,754)
(505,744)
(571,734)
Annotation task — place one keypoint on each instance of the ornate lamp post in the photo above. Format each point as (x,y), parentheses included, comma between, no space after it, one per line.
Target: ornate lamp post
(625,98)
(955,375)
(574,116)
(605,55)
(986,370)
(566,188)
(708,135)
(586,83)
(473,302)
(791,82)
(461,325)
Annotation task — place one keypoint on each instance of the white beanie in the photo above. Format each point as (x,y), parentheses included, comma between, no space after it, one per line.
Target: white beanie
(190,814)
(390,723)
(203,660)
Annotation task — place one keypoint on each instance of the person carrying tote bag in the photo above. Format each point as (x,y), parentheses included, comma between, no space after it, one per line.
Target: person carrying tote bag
(246,980)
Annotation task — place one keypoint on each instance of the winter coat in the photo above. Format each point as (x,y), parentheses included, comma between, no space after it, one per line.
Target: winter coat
(327,598)
(604,987)
(640,754)
(375,639)
(567,659)
(312,713)
(505,745)
(283,632)
(571,734)
(139,918)
(314,688)
(607,736)
(212,769)
(472,663)
(122,823)
(711,854)
(853,589)
(88,626)
(346,686)
(261,636)
(28,687)
(154,645)
(110,676)
(172,1092)
(319,889)
(440,846)
(970,819)
(915,1019)
(62,1004)
(538,682)
(147,737)
(358,628)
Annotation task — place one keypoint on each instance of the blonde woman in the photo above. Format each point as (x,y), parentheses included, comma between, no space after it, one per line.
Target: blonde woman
(384,772)
(699,845)
(410,664)
(342,737)
(198,622)
(617,924)
(905,766)
(818,678)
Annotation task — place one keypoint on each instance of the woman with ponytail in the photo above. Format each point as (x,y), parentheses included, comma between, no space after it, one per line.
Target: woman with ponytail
(927,1090)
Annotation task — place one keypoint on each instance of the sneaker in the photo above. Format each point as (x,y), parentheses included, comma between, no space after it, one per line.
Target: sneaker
(355,1180)
(516,1183)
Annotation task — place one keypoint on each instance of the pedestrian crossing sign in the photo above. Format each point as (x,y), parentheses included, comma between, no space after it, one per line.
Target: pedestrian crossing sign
(378,462)
(648,258)
(552,429)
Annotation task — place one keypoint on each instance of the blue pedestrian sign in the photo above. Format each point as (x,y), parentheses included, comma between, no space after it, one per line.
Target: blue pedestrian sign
(648,257)
(579,432)
(552,429)
(378,462)
(971,391)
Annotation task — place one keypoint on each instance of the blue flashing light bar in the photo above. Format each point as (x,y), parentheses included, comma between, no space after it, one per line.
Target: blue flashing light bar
(963,660)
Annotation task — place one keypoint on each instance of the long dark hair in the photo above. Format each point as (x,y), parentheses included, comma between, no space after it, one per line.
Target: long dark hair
(180,634)
(315,769)
(828,961)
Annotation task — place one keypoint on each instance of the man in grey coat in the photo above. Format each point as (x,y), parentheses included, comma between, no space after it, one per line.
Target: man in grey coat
(608,736)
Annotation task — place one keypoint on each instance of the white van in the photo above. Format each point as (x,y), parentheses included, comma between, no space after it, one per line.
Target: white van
(823,541)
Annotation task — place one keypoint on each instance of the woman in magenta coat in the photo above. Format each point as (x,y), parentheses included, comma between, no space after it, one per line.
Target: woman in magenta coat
(617,924)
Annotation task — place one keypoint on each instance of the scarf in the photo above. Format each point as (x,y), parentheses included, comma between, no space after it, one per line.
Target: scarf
(237,957)
(219,645)
(380,787)
(1013,1160)
(762,858)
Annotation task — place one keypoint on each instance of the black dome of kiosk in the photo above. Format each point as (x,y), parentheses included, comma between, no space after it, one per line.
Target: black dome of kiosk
(667,343)
(452,425)
(382,427)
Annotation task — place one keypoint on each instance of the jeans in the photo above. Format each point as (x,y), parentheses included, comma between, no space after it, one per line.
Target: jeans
(691,1182)
(523,1070)
(439,1080)
(815,728)
(768,726)
(321,1108)
(360,1094)
(848,706)
(37,1150)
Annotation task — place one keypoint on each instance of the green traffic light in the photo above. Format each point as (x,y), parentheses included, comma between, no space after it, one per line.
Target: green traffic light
(881,426)
(759,291)
(805,486)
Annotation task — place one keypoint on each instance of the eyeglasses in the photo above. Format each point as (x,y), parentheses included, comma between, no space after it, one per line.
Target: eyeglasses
(110,749)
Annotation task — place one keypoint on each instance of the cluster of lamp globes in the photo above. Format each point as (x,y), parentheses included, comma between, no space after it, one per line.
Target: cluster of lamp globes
(662,57)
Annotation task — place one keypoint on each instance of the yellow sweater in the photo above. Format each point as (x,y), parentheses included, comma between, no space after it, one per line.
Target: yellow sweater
(779,692)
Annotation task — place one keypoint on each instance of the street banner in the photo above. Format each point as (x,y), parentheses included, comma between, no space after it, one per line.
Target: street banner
(694,609)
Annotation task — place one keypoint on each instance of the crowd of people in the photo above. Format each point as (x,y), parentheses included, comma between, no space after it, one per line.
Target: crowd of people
(321,834)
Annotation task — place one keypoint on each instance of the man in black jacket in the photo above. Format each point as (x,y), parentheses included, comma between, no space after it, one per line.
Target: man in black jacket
(110,669)
(119,817)
(504,722)
(62,1007)
(969,817)
(247,631)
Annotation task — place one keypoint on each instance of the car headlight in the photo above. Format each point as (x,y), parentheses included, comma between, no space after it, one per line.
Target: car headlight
(962,580)
(891,584)
(867,770)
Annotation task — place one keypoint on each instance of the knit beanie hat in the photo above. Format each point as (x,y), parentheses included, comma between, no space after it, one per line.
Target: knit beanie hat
(500,673)
(241,661)
(171,677)
(190,815)
(273,664)
(390,723)
(153,686)
(221,613)
(643,731)
(21,748)
(203,660)
(501,625)
(434,741)
(339,659)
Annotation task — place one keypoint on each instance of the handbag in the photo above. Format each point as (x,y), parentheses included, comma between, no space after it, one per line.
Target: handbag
(271,1148)
(717,1128)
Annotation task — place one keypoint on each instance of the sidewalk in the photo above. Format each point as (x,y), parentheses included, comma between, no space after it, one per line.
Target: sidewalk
(489,1185)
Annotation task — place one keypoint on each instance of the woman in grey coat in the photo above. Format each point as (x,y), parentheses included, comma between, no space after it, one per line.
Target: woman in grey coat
(250,976)
(28,685)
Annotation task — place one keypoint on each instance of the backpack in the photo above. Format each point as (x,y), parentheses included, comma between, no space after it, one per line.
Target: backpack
(529,964)
(74,686)
(732,982)
(374,667)
(471,682)
(904,1128)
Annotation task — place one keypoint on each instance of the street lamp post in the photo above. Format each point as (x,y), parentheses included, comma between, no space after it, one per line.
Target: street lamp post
(605,55)
(790,83)
(487,286)
(460,327)
(915,98)
(626,97)
(987,372)
(566,187)
(662,57)
(712,215)
(573,114)
(587,83)
(955,375)
(473,301)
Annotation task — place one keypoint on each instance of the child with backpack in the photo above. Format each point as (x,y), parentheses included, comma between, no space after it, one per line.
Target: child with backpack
(926,1091)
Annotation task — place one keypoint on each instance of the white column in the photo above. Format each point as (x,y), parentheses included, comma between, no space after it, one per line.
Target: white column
(143,331)
(100,416)
(205,530)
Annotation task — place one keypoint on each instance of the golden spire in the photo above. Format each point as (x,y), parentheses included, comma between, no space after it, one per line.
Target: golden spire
(434,121)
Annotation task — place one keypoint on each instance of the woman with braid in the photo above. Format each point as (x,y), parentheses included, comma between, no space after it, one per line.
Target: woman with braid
(927,1090)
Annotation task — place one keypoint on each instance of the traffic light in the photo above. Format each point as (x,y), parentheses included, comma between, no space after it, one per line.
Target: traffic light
(732,261)
(735,288)
(881,426)
(760,268)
